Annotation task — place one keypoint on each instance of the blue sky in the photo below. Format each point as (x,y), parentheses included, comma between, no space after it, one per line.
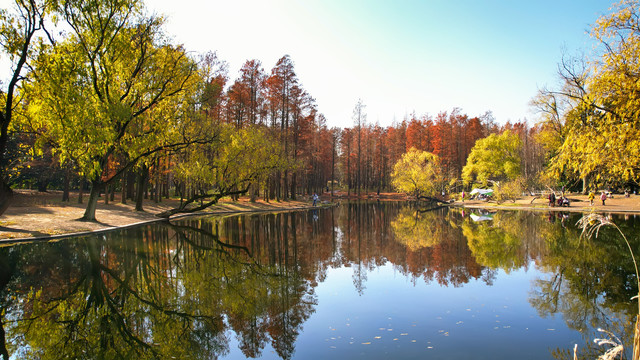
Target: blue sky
(399,57)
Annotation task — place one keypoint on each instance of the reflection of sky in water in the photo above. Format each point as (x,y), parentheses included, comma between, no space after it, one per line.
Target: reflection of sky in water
(395,318)
(363,280)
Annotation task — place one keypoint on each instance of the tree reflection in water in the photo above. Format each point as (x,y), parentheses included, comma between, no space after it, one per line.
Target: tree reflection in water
(435,248)
(591,283)
(182,290)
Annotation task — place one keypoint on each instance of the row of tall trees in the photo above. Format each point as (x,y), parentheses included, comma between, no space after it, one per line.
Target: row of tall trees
(369,152)
(113,103)
(587,135)
(110,101)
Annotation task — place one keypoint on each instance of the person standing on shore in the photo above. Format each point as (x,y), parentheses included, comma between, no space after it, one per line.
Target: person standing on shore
(603,197)
(315,199)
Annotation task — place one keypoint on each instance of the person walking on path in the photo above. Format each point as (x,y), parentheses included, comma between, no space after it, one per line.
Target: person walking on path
(463,194)
(603,197)
(591,197)
(315,199)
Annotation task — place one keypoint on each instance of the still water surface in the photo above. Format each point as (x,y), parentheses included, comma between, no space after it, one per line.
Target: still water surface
(361,280)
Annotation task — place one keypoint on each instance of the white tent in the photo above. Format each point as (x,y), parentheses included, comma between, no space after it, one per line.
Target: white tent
(481,192)
(483,217)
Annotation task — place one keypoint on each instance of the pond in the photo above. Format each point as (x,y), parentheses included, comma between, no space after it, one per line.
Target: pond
(371,280)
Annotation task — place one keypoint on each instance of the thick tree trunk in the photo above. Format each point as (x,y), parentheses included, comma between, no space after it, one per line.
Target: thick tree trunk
(42,185)
(157,194)
(210,200)
(285,185)
(293,186)
(254,190)
(7,270)
(131,181)
(90,211)
(141,188)
(6,196)
(65,190)
(124,189)
(80,191)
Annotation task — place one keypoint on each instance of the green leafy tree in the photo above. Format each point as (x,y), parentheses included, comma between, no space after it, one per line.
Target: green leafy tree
(417,173)
(113,88)
(226,166)
(509,190)
(494,158)
(17,36)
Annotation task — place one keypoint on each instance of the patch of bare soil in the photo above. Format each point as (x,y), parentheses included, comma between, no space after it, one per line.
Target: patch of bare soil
(36,214)
(579,203)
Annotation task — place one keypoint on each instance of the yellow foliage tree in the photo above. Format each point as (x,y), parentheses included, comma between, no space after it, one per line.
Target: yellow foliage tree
(494,158)
(602,128)
(417,173)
